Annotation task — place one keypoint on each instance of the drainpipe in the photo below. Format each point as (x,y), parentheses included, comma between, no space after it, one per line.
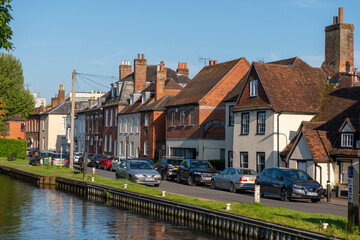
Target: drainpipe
(278,140)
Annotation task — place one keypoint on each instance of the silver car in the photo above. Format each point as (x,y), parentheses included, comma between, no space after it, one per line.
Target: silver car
(60,160)
(234,179)
(116,163)
(140,171)
(77,155)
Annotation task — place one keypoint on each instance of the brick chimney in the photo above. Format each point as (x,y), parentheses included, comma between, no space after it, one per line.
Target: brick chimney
(124,69)
(140,74)
(339,48)
(183,69)
(160,81)
(61,94)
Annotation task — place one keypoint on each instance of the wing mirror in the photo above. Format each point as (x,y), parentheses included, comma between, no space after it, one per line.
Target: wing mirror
(279,178)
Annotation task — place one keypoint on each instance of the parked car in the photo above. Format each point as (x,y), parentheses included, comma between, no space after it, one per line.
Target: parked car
(45,157)
(95,160)
(88,159)
(116,163)
(195,172)
(32,152)
(289,184)
(105,162)
(76,156)
(168,167)
(60,160)
(234,179)
(140,171)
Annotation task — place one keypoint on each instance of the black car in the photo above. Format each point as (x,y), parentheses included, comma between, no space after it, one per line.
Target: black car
(195,172)
(88,160)
(95,160)
(289,184)
(168,167)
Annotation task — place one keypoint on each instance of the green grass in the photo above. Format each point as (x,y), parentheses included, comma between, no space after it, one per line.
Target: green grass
(291,218)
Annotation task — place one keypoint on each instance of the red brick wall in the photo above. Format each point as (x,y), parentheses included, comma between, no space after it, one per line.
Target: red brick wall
(140,74)
(32,129)
(15,130)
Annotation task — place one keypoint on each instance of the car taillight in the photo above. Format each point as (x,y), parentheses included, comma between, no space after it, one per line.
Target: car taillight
(53,159)
(243,179)
(66,160)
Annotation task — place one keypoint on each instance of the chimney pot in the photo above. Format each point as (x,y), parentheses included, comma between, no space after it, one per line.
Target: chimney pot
(179,65)
(138,55)
(142,56)
(215,62)
(335,20)
(211,62)
(341,15)
(186,65)
(182,65)
(122,62)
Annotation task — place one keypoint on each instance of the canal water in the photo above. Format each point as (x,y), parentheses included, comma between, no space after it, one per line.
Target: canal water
(30,212)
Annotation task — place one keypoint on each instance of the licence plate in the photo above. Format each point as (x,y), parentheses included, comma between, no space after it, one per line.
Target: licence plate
(311,194)
(251,180)
(175,168)
(207,178)
(60,164)
(148,179)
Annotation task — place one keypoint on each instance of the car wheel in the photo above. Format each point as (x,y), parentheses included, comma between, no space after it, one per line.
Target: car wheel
(315,200)
(190,180)
(232,187)
(213,184)
(284,195)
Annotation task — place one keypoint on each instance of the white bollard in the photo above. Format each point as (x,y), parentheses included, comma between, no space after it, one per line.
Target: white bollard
(92,179)
(125,185)
(163,193)
(228,206)
(325,225)
(93,170)
(257,193)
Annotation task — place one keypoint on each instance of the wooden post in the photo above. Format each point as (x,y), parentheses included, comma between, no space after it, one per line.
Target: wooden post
(71,160)
(84,165)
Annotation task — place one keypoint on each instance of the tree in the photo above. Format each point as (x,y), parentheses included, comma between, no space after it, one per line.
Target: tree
(3,127)
(5,29)
(16,98)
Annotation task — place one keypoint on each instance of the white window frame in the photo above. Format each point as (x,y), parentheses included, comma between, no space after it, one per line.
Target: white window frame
(245,123)
(146,120)
(243,156)
(173,119)
(182,118)
(106,117)
(110,143)
(192,117)
(261,122)
(347,139)
(254,88)
(105,146)
(111,117)
(63,124)
(146,148)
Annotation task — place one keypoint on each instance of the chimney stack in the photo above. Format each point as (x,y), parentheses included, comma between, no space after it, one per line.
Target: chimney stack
(183,69)
(140,66)
(61,94)
(215,62)
(124,69)
(341,15)
(160,81)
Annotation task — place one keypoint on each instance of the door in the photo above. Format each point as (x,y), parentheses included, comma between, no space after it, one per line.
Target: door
(228,178)
(221,178)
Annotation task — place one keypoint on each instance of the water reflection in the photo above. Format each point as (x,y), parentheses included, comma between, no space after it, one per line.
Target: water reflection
(28,212)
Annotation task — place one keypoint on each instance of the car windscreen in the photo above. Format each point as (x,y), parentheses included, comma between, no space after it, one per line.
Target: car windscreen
(140,165)
(200,164)
(247,172)
(174,162)
(56,155)
(77,154)
(296,175)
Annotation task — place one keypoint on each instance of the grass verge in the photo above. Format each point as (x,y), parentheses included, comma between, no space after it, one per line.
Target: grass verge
(291,218)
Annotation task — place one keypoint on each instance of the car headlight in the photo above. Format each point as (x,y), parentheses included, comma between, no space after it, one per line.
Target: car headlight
(158,176)
(297,186)
(138,175)
(197,173)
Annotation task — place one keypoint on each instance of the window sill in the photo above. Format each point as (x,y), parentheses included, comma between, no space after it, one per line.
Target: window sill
(260,133)
(244,134)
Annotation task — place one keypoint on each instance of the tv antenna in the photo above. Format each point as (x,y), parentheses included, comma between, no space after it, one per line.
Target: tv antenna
(261,60)
(204,59)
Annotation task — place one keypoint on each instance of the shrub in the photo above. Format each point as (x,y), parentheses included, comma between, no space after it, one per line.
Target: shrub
(10,146)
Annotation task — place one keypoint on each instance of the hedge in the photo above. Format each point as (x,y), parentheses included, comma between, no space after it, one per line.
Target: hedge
(9,146)
(219,164)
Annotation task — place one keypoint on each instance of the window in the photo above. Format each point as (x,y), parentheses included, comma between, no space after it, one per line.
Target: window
(261,117)
(106,117)
(182,118)
(116,112)
(63,125)
(245,123)
(132,149)
(260,157)
(146,121)
(244,160)
(230,158)
(125,126)
(347,140)
(191,117)
(253,88)
(173,119)
(145,147)
(120,125)
(115,147)
(231,116)
(22,127)
(92,124)
(138,125)
(96,124)
(111,117)
(110,143)
(132,126)
(43,125)
(121,148)
(105,146)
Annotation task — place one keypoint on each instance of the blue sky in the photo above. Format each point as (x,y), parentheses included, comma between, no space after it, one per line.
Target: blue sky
(54,37)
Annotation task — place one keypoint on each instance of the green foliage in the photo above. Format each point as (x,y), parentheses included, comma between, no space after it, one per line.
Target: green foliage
(5,29)
(218,164)
(3,128)
(12,92)
(10,146)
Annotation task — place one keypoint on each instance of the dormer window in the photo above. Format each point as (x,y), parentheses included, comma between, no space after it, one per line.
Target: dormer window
(347,140)
(253,88)
(143,97)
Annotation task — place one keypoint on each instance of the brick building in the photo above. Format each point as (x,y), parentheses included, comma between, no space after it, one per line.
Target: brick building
(16,126)
(195,118)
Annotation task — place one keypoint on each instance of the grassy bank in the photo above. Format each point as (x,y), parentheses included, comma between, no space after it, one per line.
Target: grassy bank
(296,219)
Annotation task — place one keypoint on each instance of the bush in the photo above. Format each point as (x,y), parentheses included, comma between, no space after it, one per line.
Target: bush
(219,164)
(10,146)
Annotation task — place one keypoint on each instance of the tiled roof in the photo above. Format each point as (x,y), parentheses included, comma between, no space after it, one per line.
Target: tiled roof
(203,83)
(136,107)
(16,118)
(158,105)
(169,84)
(318,144)
(234,94)
(290,85)
(61,109)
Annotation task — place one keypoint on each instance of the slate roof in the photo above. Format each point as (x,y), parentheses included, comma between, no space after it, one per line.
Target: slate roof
(61,109)
(290,85)
(158,105)
(203,83)
(169,84)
